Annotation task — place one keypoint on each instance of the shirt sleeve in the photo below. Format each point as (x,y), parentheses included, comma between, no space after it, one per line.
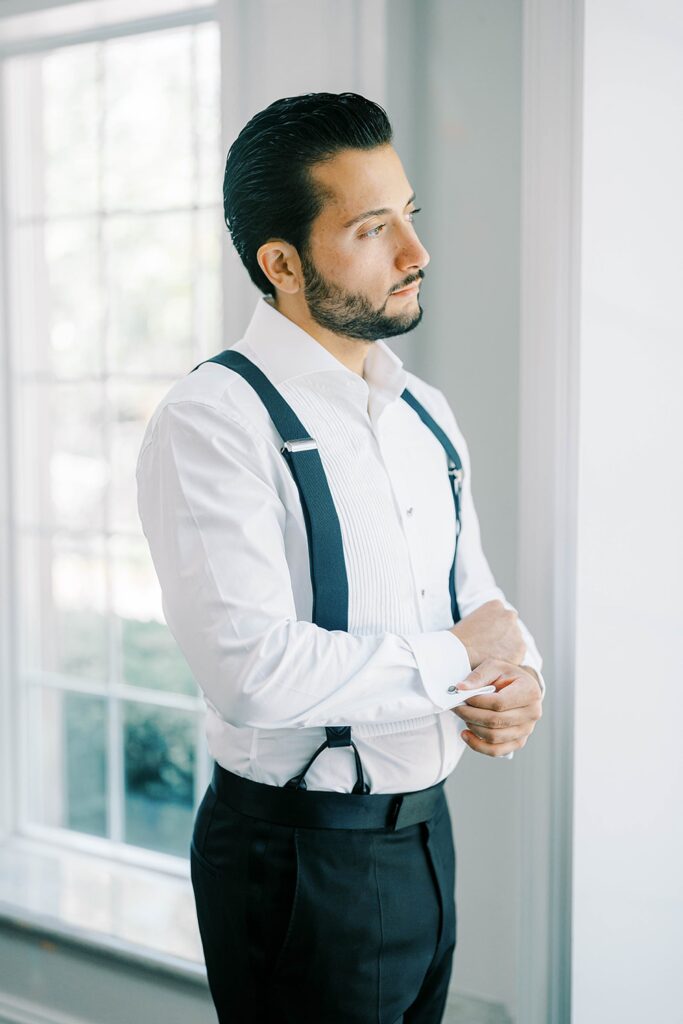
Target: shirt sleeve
(215,524)
(474,581)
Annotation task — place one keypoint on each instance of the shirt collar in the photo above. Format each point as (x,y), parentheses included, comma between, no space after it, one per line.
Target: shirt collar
(286,351)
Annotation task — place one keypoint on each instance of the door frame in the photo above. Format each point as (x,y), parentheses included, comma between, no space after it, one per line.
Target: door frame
(552,84)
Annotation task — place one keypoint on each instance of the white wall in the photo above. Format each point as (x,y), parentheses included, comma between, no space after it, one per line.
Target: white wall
(628,838)
(464,160)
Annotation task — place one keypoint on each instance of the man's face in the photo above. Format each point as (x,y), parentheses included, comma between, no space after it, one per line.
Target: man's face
(358,260)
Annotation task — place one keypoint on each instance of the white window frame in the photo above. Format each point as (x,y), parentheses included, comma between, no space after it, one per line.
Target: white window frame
(16,743)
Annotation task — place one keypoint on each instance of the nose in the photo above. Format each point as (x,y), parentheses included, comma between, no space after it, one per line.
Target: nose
(412,253)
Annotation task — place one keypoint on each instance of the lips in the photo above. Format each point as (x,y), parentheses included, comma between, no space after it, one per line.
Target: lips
(410,288)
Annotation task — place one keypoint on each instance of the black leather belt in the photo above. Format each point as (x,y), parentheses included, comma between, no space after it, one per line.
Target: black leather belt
(322,809)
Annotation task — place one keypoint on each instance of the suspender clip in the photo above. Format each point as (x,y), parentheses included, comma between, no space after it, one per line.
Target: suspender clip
(302,444)
(338,735)
(455,473)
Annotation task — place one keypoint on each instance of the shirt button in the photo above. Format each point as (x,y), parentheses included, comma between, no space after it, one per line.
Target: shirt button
(422,593)
(451,689)
(409,511)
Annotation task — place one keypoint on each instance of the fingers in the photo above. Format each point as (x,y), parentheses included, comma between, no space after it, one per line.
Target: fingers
(518,695)
(487,718)
(497,736)
(500,723)
(493,749)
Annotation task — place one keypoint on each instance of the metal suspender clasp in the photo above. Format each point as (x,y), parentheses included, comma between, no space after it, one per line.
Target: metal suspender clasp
(455,473)
(303,444)
(456,476)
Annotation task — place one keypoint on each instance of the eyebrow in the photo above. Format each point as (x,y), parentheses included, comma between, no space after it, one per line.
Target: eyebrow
(374,213)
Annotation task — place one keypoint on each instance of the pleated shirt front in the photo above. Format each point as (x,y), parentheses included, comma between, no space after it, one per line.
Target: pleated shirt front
(225,527)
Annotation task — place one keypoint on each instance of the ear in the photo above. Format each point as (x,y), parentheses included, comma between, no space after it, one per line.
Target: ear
(280,262)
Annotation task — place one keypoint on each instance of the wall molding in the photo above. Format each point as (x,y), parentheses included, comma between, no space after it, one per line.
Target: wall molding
(549,330)
(14,1010)
(460,1010)
(465,1009)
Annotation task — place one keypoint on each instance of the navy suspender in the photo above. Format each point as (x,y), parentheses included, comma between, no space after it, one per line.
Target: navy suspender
(455,474)
(328,573)
(327,566)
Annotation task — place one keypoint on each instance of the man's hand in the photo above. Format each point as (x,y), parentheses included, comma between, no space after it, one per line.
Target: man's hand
(502,721)
(534,673)
(491,631)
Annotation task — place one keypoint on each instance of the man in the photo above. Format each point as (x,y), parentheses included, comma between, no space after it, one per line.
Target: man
(309,511)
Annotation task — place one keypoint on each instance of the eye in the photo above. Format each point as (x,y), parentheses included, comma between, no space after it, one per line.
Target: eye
(374,232)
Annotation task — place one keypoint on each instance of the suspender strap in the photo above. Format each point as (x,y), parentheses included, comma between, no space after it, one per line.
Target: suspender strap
(327,566)
(455,475)
(326,552)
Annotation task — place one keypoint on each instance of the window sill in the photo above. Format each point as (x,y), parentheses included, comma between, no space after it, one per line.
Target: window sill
(130,912)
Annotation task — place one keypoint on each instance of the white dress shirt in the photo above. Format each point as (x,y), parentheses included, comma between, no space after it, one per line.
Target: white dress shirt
(223,519)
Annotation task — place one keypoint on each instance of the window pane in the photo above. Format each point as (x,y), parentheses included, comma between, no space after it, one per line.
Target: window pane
(29,320)
(79,597)
(22,87)
(130,407)
(61,335)
(159,771)
(62,606)
(211,236)
(78,467)
(150,274)
(74,325)
(62,470)
(207,122)
(69,770)
(70,108)
(85,743)
(148,160)
(148,653)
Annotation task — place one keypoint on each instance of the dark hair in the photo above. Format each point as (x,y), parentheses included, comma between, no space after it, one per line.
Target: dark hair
(268,191)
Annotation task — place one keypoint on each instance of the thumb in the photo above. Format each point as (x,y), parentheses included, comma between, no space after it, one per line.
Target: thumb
(483,675)
(480,676)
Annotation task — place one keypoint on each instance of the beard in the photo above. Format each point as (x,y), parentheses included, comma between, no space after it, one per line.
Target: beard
(350,313)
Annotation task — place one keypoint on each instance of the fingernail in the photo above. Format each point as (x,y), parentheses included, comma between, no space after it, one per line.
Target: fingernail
(465,735)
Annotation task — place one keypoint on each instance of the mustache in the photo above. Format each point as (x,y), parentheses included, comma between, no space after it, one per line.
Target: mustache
(407,284)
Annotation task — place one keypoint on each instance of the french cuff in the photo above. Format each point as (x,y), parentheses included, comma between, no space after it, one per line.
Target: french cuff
(541,680)
(442,662)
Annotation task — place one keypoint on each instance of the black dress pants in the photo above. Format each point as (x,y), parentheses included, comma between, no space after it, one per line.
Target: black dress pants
(324,926)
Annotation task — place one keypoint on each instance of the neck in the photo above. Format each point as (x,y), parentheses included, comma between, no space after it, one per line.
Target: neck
(349,351)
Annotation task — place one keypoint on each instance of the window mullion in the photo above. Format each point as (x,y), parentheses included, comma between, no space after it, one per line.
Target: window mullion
(115,766)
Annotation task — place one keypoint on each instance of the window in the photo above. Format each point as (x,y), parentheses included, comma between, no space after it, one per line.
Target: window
(114,233)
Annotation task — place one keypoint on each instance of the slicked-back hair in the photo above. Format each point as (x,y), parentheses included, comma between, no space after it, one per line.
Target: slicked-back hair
(268,191)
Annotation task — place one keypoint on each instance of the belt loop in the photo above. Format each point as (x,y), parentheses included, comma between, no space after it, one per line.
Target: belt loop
(394,813)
